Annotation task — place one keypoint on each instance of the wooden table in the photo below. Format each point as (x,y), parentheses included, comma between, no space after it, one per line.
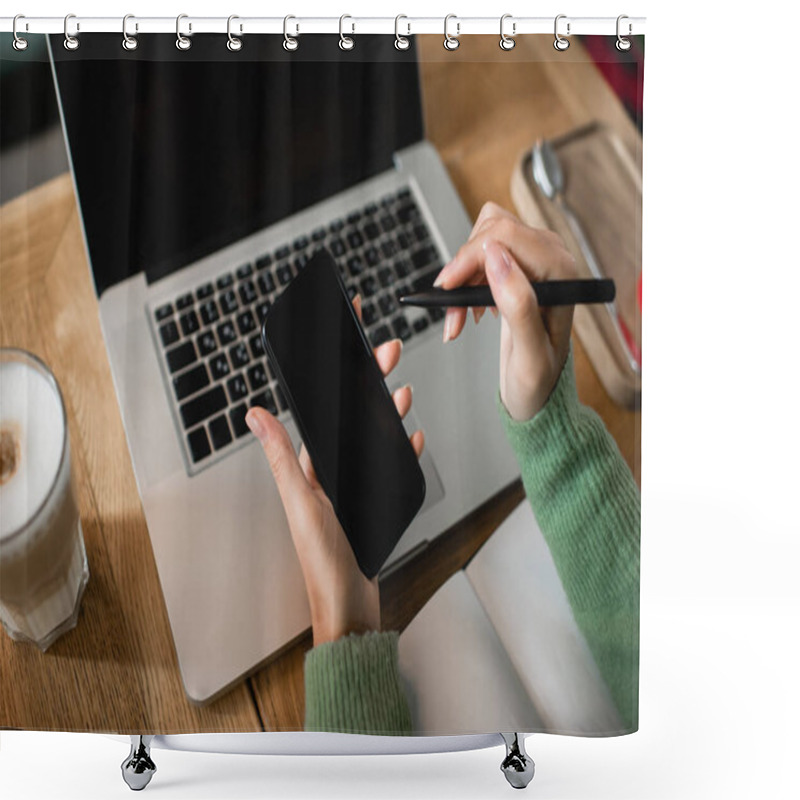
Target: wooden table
(117,671)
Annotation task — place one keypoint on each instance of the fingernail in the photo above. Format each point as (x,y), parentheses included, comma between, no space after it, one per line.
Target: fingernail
(439,278)
(497,260)
(254,424)
(448,327)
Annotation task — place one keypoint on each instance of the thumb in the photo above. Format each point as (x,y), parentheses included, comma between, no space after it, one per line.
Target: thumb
(282,459)
(514,296)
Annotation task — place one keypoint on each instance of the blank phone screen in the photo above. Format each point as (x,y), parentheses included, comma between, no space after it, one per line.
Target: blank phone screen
(344,411)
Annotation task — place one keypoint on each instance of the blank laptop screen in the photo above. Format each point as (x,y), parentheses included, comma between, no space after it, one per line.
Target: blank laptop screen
(177,154)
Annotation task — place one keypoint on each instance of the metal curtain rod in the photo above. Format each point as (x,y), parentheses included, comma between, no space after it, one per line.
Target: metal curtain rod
(458,26)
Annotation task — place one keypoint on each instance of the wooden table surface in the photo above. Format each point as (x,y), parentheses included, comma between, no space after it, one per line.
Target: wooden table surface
(117,671)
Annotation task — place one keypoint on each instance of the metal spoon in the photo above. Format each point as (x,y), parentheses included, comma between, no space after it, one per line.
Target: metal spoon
(549,177)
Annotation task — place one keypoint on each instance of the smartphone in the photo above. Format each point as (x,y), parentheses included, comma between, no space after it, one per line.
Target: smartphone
(345,414)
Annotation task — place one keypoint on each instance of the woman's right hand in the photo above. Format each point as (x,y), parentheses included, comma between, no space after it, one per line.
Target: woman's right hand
(534,342)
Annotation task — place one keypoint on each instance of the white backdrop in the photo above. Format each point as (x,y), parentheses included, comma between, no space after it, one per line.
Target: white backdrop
(720,604)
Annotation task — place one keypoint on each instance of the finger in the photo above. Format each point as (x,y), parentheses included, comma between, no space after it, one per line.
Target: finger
(402,400)
(308,468)
(357,306)
(515,299)
(283,462)
(454,321)
(388,354)
(417,440)
(539,253)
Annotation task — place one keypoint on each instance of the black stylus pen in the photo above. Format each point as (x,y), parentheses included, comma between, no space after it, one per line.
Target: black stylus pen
(548,293)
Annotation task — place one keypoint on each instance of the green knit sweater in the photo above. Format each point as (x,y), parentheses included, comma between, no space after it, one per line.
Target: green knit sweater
(587,506)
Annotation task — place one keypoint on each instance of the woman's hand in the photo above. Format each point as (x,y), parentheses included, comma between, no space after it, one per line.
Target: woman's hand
(341,598)
(534,342)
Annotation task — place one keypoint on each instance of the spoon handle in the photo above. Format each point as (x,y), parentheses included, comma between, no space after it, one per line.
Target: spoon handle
(632,351)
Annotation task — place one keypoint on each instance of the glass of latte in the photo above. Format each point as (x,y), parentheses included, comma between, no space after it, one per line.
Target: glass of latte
(43,567)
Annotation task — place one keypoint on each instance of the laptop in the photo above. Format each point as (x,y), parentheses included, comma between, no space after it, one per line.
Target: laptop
(205,180)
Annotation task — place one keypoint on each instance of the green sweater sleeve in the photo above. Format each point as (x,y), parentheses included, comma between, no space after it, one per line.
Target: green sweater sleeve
(587,505)
(353,686)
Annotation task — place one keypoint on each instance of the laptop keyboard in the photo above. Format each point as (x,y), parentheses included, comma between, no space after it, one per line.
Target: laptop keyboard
(211,336)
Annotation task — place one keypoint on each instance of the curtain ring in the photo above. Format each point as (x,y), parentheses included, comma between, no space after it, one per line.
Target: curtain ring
(346,42)
(234,43)
(622,44)
(451,42)
(289,42)
(19,43)
(70,42)
(506,42)
(560,42)
(401,42)
(182,42)
(129,42)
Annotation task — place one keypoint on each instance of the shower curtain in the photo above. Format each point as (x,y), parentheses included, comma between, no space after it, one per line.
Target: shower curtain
(159,202)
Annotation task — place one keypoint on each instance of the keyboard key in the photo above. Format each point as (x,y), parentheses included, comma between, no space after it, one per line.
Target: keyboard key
(370,209)
(245,271)
(256,346)
(369,286)
(198,444)
(224,281)
(436,314)
(219,366)
(387,304)
(239,355)
(237,388)
(162,312)
(300,262)
(386,276)
(206,290)
(228,302)
(380,335)
(404,193)
(420,324)
(261,310)
(266,283)
(265,400)
(388,223)
(421,232)
(189,323)
(387,200)
(407,212)
(336,226)
(337,247)
(191,381)
(369,314)
(220,432)
(319,234)
(283,252)
(372,256)
(264,262)
(181,356)
(300,243)
(203,406)
(246,322)
(209,312)
(402,267)
(237,415)
(401,290)
(257,375)
(284,274)
(371,231)
(226,333)
(355,265)
(282,404)
(247,293)
(401,328)
(355,239)
(423,258)
(403,240)
(354,217)
(169,333)
(388,248)
(184,301)
(206,343)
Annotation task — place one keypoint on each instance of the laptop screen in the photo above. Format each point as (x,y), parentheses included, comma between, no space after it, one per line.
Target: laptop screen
(177,154)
